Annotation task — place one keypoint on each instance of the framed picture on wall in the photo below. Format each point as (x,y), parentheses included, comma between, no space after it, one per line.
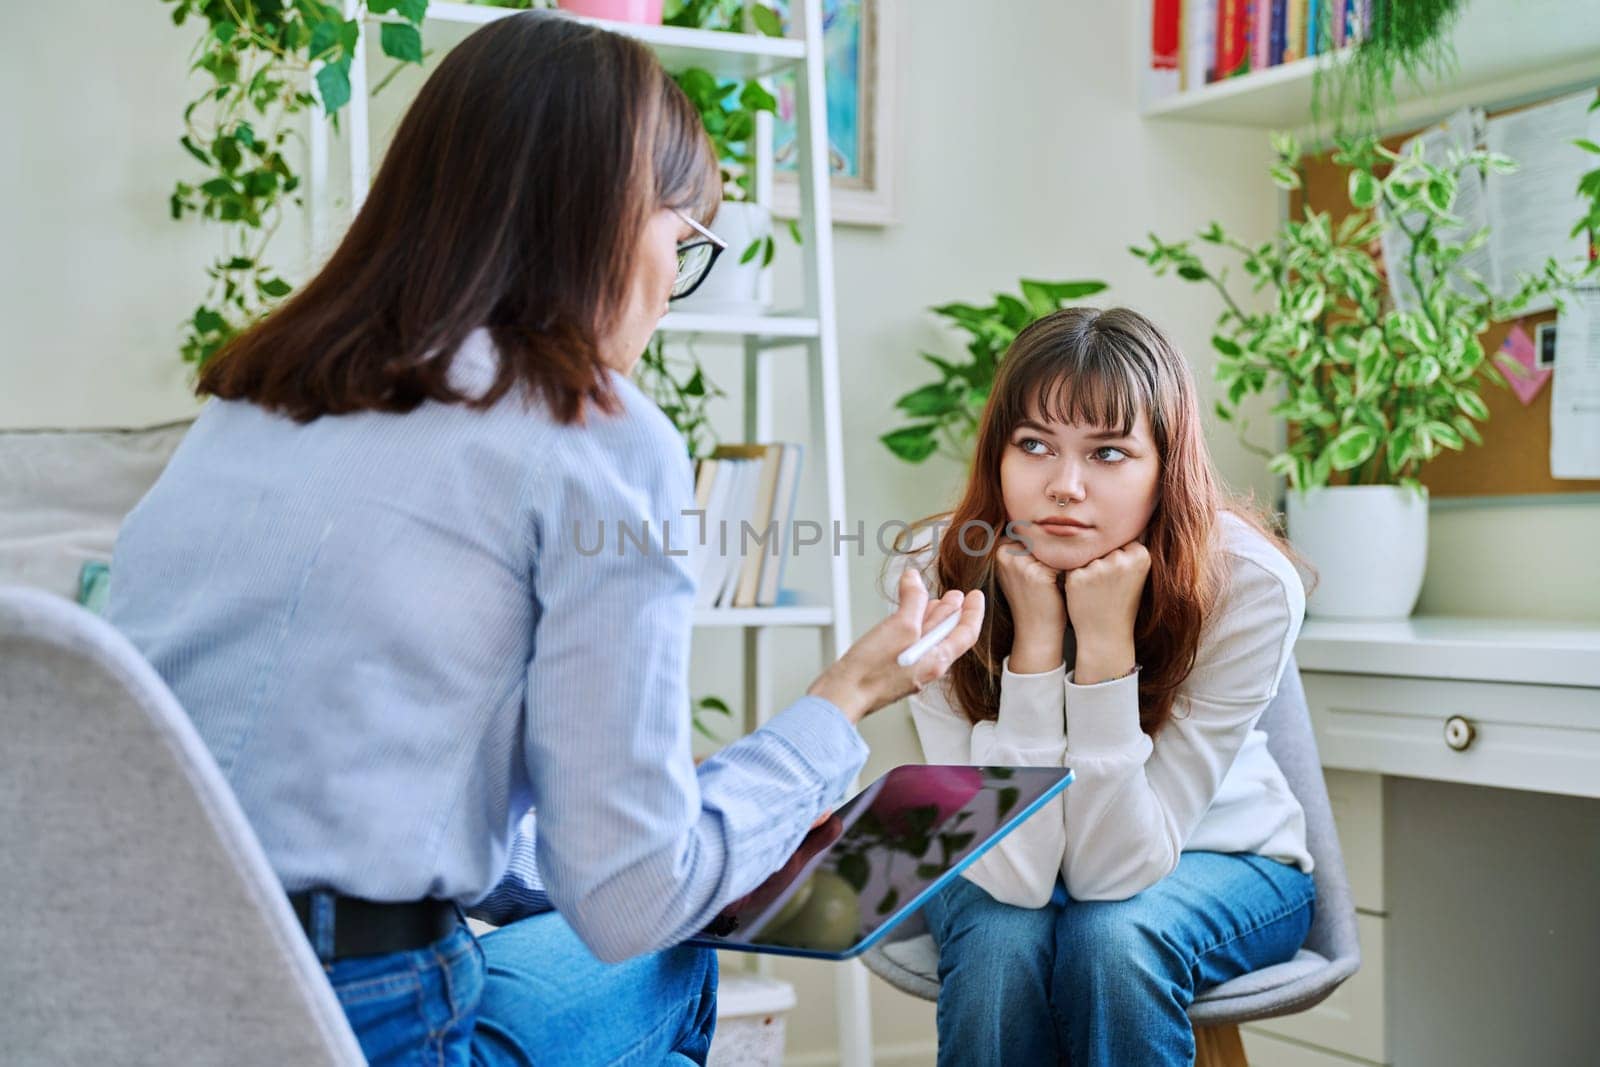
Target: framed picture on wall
(859,56)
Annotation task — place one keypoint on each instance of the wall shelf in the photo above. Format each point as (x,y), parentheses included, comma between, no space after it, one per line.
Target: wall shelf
(1508,50)
(727,55)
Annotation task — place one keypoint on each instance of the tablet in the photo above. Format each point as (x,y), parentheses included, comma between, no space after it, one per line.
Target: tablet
(880,857)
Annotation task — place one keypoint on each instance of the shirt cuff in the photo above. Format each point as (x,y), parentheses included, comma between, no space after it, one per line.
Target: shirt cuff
(1103,717)
(1030,704)
(825,739)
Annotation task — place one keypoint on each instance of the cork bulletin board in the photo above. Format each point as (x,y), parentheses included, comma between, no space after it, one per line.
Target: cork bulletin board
(1514,458)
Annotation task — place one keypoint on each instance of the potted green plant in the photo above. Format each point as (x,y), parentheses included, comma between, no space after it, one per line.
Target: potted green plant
(1371,391)
(729,110)
(945,412)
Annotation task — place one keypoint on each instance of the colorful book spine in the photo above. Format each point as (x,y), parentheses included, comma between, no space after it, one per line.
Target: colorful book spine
(1164,34)
(1278,43)
(1260,34)
(1165,46)
(1233,38)
(1200,33)
(1314,28)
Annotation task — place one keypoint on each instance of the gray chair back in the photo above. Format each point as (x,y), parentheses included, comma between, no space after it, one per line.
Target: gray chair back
(140,920)
(1332,953)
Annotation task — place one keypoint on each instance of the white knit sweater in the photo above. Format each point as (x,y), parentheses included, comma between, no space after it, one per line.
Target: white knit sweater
(1208,783)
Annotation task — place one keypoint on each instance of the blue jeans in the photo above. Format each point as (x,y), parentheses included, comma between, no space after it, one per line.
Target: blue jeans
(528,993)
(1108,983)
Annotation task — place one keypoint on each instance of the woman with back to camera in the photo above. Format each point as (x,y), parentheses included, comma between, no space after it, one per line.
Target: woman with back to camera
(363,578)
(1139,626)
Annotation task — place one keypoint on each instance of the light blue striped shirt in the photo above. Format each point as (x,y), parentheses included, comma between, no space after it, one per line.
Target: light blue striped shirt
(389,634)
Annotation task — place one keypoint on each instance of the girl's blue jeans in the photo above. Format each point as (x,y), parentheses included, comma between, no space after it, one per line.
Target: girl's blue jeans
(1108,984)
(528,993)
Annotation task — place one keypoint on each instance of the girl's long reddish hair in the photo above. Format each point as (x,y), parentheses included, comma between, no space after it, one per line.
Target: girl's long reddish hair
(1098,368)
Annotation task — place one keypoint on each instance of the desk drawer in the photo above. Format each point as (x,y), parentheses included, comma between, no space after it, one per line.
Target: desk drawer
(1544,738)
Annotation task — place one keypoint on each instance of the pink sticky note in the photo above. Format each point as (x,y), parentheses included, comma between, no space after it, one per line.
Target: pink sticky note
(1518,346)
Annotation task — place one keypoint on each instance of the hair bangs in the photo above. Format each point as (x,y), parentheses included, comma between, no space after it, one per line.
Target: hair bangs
(1084,385)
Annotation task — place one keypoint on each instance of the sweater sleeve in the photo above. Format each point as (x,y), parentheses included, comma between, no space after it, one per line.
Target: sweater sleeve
(1134,804)
(1021,868)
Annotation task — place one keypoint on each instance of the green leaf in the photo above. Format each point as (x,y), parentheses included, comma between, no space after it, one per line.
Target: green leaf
(912,443)
(207,321)
(1587,145)
(1191,273)
(226,149)
(1363,189)
(194,150)
(410,10)
(333,82)
(766,20)
(1353,447)
(401,42)
(716,704)
(277,287)
(324,39)
(928,401)
(1013,312)
(1284,176)
(755,97)
(1226,346)
(1472,404)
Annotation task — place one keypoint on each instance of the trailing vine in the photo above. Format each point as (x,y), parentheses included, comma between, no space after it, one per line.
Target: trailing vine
(262,57)
(1409,38)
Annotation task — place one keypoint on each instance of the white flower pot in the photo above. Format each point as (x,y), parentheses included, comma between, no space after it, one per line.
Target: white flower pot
(734,288)
(1369,544)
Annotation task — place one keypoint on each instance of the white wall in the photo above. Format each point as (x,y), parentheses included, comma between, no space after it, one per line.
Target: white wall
(1022,154)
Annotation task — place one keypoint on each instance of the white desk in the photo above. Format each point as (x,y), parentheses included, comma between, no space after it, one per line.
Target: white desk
(1445,878)
(1525,697)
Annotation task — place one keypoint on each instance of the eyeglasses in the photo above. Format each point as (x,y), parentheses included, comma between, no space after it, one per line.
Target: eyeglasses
(696,256)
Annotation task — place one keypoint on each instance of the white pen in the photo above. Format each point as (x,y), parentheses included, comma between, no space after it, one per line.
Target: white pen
(928,640)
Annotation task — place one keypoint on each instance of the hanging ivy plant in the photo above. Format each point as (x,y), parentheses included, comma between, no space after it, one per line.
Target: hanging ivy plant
(260,56)
(1409,38)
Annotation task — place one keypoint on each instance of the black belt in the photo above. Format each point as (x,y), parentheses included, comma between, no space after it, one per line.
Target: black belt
(372,928)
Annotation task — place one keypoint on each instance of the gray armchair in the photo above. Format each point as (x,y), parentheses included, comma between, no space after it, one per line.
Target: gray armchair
(140,919)
(1331,952)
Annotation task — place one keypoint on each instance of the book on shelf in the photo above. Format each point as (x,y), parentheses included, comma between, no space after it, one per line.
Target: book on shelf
(1233,39)
(1199,43)
(1163,78)
(1209,40)
(748,493)
(1261,34)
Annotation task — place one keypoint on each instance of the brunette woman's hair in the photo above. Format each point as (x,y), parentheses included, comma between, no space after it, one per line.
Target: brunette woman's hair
(512,198)
(1088,367)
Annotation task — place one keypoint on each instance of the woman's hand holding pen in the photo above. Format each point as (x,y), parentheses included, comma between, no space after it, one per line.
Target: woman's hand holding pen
(867,677)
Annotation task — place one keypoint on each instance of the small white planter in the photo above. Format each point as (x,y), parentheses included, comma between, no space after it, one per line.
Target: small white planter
(734,288)
(1369,544)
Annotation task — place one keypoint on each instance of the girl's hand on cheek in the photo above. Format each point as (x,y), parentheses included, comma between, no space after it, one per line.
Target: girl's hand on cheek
(1037,610)
(1102,600)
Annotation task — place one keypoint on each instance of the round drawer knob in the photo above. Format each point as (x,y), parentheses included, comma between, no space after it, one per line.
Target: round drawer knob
(1459,733)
